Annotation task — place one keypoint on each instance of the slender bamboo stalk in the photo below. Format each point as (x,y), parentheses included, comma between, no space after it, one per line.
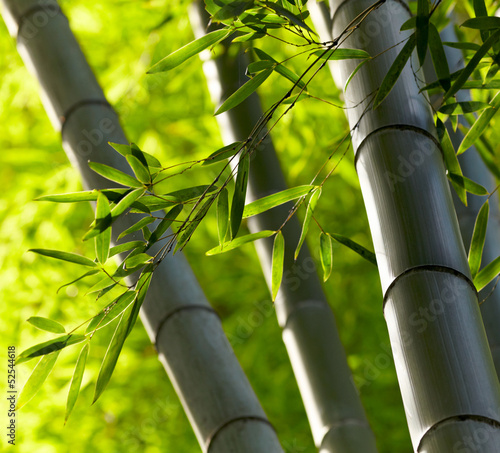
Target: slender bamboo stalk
(217,397)
(333,407)
(447,378)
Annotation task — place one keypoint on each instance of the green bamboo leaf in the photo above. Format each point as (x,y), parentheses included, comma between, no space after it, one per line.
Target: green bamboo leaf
(353,73)
(478,238)
(189,50)
(47,347)
(277,263)
(244,91)
(141,172)
(409,24)
(482,23)
(276,199)
(137,226)
(46,324)
(165,223)
(280,69)
(188,194)
(291,17)
(222,215)
(65,256)
(461,108)
(438,56)
(105,283)
(341,54)
(126,202)
(87,274)
(468,184)
(231,10)
(72,197)
(249,36)
(137,260)
(474,61)
(235,243)
(450,159)
(142,287)
(146,158)
(112,311)
(258,66)
(326,254)
(103,240)
(422,29)
(481,11)
(487,274)
(76,381)
(126,246)
(479,125)
(462,45)
(395,71)
(36,379)
(223,153)
(307,219)
(355,247)
(114,175)
(240,191)
(112,353)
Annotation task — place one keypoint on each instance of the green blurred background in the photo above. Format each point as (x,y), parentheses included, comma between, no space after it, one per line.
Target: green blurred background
(171,116)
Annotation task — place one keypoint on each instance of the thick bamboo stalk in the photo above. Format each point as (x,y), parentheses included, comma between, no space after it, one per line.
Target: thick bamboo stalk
(445,369)
(217,397)
(332,403)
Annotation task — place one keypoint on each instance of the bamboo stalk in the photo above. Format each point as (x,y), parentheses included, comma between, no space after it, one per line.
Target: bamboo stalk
(217,397)
(445,370)
(336,416)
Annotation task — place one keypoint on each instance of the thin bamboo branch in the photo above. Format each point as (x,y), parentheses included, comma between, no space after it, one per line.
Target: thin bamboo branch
(332,403)
(217,397)
(447,377)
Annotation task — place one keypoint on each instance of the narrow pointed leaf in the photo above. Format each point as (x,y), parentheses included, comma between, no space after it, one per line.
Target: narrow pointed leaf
(141,288)
(103,240)
(193,48)
(277,263)
(137,226)
(487,274)
(280,69)
(47,347)
(105,282)
(87,274)
(355,247)
(235,243)
(113,310)
(258,66)
(353,73)
(483,23)
(189,194)
(146,158)
(46,324)
(468,184)
(126,246)
(72,197)
(326,254)
(137,260)
(126,202)
(240,191)
(307,219)
(422,32)
(65,256)
(291,17)
(165,223)
(462,45)
(395,71)
(249,37)
(474,61)
(141,172)
(76,381)
(438,57)
(478,238)
(223,153)
(114,175)
(244,91)
(222,215)
(276,199)
(480,125)
(342,54)
(36,379)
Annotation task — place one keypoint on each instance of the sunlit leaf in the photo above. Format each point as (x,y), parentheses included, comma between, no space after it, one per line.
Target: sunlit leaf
(235,243)
(291,17)
(65,256)
(36,379)
(114,175)
(249,37)
(137,226)
(307,219)
(232,10)
(126,202)
(355,247)
(276,199)
(222,215)
(103,240)
(126,246)
(353,73)
(277,263)
(258,66)
(165,223)
(47,347)
(240,191)
(141,172)
(146,158)
(461,108)
(223,153)
(281,69)
(480,125)
(189,50)
(76,381)
(112,310)
(341,54)
(483,23)
(487,274)
(395,71)
(326,254)
(244,91)
(46,324)
(137,260)
(89,195)
(87,274)
(478,238)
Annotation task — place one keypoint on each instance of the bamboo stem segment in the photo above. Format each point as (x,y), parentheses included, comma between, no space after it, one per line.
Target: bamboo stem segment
(217,397)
